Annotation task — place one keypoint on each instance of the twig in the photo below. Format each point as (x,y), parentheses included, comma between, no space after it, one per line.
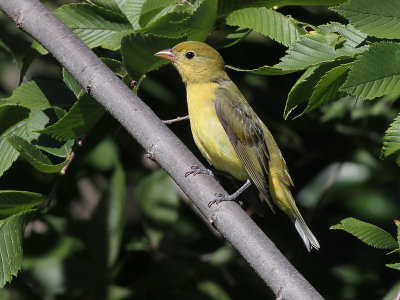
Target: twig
(178,119)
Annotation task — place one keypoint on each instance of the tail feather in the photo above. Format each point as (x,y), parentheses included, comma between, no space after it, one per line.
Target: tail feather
(305,233)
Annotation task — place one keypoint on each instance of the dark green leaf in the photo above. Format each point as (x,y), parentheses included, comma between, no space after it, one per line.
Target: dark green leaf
(115,65)
(391,142)
(83,115)
(377,18)
(34,52)
(25,129)
(138,53)
(155,9)
(327,89)
(72,84)
(41,94)
(368,233)
(54,147)
(268,22)
(34,156)
(10,115)
(376,72)
(11,232)
(13,202)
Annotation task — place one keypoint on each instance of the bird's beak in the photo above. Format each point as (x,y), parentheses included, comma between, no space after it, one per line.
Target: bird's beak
(167,54)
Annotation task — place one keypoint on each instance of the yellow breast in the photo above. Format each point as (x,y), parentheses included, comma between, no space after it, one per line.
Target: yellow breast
(208,133)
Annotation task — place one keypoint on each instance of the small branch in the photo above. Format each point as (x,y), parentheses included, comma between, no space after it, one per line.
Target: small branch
(178,119)
(397,296)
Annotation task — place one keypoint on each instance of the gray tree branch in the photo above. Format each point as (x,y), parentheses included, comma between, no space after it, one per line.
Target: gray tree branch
(162,145)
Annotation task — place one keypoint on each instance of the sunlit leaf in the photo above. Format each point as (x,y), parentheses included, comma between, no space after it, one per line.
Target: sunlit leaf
(94,25)
(267,22)
(316,48)
(194,26)
(376,72)
(377,18)
(132,9)
(368,233)
(395,266)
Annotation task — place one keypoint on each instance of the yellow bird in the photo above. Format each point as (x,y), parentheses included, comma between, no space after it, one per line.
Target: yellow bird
(229,133)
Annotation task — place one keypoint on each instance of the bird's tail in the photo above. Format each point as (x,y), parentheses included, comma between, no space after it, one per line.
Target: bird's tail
(305,233)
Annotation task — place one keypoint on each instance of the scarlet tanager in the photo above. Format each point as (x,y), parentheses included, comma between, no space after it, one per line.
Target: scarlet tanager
(229,133)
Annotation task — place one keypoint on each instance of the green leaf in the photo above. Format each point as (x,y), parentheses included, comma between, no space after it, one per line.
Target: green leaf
(376,72)
(132,9)
(34,156)
(34,52)
(195,26)
(6,52)
(13,202)
(104,156)
(303,88)
(395,266)
(368,233)
(94,25)
(54,147)
(41,94)
(268,22)
(327,89)
(107,4)
(321,47)
(25,129)
(72,84)
(10,115)
(155,9)
(228,6)
(138,53)
(11,232)
(231,36)
(116,207)
(83,115)
(115,65)
(158,197)
(391,142)
(376,18)
(264,70)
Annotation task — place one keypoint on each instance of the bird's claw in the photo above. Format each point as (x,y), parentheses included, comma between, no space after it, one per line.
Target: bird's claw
(198,170)
(218,199)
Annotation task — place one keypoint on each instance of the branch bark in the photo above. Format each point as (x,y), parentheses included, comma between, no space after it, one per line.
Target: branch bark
(162,145)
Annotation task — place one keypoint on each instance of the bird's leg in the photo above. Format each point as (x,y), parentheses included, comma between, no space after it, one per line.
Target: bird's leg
(199,170)
(178,119)
(220,198)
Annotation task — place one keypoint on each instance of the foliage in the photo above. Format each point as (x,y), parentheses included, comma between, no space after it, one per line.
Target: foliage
(108,222)
(372,235)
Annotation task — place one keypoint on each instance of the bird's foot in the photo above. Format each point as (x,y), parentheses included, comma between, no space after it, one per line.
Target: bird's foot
(221,197)
(199,170)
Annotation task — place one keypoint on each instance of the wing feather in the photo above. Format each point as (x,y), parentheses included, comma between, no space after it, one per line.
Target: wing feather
(245,133)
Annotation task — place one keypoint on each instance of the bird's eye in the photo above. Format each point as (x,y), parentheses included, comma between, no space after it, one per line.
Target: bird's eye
(189,55)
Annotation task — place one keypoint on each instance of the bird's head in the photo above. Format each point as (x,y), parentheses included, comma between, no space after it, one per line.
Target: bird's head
(196,62)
